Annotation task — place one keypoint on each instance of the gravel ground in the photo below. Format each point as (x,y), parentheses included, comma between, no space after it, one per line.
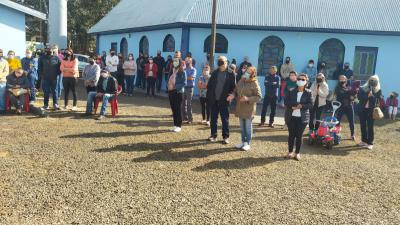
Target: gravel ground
(66,169)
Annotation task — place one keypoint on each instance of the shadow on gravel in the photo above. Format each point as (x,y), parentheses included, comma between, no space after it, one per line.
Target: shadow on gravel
(114,134)
(143,123)
(243,163)
(271,138)
(336,151)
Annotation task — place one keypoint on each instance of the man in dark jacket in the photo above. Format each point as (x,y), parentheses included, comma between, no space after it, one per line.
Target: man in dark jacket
(17,86)
(49,72)
(106,89)
(220,86)
(272,86)
(160,62)
(30,65)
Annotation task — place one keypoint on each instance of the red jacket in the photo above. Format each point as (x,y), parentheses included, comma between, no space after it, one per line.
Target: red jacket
(153,69)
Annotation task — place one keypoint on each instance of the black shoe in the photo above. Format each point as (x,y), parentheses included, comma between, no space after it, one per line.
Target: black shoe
(261,124)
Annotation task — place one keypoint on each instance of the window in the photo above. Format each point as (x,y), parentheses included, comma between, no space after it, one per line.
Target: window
(169,44)
(221,44)
(144,45)
(270,54)
(114,46)
(332,53)
(365,62)
(124,48)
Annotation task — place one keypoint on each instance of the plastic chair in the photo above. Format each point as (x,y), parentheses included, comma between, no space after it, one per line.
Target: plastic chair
(8,102)
(113,102)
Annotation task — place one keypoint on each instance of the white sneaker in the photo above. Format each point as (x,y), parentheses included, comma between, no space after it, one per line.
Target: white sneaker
(173,129)
(370,147)
(203,122)
(363,144)
(74,109)
(177,130)
(239,146)
(246,147)
(208,123)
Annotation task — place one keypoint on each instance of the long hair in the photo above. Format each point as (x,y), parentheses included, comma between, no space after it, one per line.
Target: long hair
(72,55)
(368,88)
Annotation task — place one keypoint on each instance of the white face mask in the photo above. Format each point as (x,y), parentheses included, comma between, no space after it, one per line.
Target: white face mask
(301,83)
(246,75)
(104,75)
(310,65)
(176,64)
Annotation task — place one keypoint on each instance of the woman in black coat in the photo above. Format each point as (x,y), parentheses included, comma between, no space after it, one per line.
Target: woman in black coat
(298,103)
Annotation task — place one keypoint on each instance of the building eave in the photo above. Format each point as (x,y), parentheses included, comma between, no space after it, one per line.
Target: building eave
(23,9)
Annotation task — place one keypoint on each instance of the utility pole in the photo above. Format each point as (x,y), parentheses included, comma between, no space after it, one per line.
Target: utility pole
(213,33)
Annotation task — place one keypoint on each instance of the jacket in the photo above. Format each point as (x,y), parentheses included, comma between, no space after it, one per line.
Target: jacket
(154,69)
(180,82)
(4,70)
(30,66)
(345,95)
(286,69)
(322,92)
(305,101)
(392,102)
(112,63)
(13,80)
(14,64)
(190,76)
(69,68)
(160,62)
(272,84)
(311,72)
(130,68)
(363,98)
(91,74)
(228,89)
(204,80)
(290,85)
(112,86)
(49,67)
(252,91)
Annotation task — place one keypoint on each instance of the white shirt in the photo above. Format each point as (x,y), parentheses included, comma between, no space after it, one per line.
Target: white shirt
(112,63)
(297,112)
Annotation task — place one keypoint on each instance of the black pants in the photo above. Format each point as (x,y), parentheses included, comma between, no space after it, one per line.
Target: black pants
(315,114)
(349,112)
(159,81)
(223,111)
(151,84)
(175,100)
(269,100)
(205,110)
(90,89)
(296,130)
(69,84)
(367,126)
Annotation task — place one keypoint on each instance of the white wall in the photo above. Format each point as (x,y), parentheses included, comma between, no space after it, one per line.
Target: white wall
(12,31)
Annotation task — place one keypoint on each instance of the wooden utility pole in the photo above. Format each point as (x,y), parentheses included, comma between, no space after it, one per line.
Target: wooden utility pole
(213,33)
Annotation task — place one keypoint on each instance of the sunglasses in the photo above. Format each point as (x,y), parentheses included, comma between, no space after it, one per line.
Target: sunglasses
(301,79)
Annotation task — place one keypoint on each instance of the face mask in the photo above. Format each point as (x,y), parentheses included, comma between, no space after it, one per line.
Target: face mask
(301,83)
(28,55)
(343,83)
(176,64)
(319,80)
(91,62)
(311,65)
(158,54)
(346,67)
(221,63)
(48,52)
(247,76)
(67,55)
(112,54)
(10,56)
(104,75)
(150,61)
(373,83)
(130,58)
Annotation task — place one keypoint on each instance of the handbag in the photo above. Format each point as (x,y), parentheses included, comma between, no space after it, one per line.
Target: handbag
(377,114)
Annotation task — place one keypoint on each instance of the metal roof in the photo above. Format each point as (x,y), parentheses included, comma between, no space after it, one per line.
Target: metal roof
(347,16)
(23,9)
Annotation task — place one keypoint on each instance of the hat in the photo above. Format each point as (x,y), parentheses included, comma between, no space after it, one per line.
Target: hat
(395,94)
(105,70)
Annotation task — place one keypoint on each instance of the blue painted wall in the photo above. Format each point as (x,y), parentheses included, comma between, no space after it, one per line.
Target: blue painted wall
(301,46)
(12,30)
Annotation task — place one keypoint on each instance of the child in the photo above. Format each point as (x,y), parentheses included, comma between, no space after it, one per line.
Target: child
(290,85)
(392,104)
(202,84)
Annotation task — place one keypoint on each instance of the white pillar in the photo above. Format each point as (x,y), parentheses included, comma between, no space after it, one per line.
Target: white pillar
(58,23)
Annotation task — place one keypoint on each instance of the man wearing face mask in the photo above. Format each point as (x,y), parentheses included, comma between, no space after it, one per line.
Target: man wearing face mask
(106,89)
(49,73)
(347,71)
(160,62)
(272,86)
(191,74)
(220,86)
(13,62)
(30,65)
(286,68)
(244,64)
(4,71)
(17,86)
(112,62)
(319,93)
(311,71)
(91,75)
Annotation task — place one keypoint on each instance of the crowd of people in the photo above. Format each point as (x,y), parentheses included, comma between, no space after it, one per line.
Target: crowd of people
(304,96)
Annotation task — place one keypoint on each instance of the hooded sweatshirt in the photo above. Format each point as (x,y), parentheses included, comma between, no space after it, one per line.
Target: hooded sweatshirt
(320,91)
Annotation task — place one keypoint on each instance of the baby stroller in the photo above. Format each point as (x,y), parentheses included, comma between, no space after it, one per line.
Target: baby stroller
(328,133)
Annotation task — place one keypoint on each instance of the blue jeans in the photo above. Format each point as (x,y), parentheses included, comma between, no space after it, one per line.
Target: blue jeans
(129,84)
(246,128)
(224,112)
(2,96)
(60,86)
(32,81)
(90,102)
(50,86)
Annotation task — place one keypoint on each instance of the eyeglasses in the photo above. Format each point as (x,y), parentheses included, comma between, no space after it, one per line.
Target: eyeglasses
(301,79)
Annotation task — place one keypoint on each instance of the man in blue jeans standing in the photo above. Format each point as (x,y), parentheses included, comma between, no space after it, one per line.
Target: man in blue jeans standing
(49,72)
(106,89)
(272,85)
(220,86)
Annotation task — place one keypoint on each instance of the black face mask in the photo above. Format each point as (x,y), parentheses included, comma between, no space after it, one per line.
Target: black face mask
(48,53)
(343,83)
(221,63)
(91,62)
(112,54)
(287,61)
(373,83)
(319,80)
(158,54)
(346,67)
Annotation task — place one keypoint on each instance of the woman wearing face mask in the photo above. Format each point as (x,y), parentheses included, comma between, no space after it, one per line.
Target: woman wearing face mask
(176,84)
(320,92)
(91,75)
(346,95)
(248,93)
(151,76)
(369,97)
(70,72)
(298,103)
(130,68)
